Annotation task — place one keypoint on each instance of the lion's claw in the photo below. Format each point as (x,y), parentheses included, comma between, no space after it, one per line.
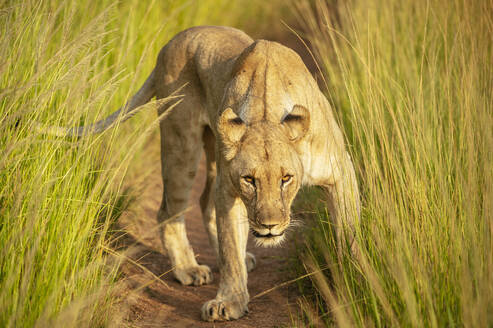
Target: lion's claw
(215,310)
(197,275)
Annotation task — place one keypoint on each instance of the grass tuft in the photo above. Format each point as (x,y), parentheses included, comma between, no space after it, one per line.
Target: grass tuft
(411,84)
(66,63)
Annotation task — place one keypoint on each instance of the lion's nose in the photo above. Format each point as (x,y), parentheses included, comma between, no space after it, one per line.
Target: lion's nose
(268,226)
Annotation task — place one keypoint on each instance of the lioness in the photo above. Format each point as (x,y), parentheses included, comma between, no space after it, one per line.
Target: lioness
(266,129)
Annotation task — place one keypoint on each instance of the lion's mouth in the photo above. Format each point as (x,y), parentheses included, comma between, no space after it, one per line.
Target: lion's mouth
(269,235)
(269,239)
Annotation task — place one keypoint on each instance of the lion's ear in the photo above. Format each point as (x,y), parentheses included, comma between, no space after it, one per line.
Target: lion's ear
(231,129)
(297,122)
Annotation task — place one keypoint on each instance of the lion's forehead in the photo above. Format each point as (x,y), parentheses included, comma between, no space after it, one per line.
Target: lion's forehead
(263,150)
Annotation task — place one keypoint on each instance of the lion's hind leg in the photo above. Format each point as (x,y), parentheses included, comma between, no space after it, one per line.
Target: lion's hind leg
(181,150)
(207,197)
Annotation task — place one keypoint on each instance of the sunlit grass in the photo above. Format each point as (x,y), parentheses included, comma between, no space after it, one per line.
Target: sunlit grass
(66,63)
(411,82)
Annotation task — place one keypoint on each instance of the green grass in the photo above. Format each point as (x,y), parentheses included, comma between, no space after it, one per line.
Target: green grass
(67,63)
(411,82)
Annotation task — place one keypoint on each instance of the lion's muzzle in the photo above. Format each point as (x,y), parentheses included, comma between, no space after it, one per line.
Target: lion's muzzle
(268,235)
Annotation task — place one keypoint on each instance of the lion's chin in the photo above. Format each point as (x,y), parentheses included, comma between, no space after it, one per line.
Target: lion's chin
(269,241)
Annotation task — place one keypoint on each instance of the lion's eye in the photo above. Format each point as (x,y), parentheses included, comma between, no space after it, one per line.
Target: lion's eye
(286,178)
(249,179)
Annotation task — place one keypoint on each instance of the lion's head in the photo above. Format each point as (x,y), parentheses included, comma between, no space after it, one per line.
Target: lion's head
(265,168)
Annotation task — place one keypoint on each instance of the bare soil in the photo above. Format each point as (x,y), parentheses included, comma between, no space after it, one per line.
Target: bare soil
(163,301)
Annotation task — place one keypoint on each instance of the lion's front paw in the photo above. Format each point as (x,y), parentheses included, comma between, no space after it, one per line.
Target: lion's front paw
(250,261)
(217,310)
(197,275)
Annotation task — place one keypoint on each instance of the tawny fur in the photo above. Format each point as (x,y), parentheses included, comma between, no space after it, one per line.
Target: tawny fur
(258,113)
(266,129)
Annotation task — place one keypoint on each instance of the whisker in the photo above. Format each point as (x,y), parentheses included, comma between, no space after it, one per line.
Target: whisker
(295,223)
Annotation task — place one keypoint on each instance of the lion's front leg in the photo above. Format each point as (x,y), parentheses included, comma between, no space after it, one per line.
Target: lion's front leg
(232,297)
(344,203)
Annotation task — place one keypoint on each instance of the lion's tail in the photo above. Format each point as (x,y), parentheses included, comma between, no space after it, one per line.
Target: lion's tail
(143,96)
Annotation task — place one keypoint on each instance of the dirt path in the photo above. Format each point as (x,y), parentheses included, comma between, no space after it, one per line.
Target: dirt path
(164,302)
